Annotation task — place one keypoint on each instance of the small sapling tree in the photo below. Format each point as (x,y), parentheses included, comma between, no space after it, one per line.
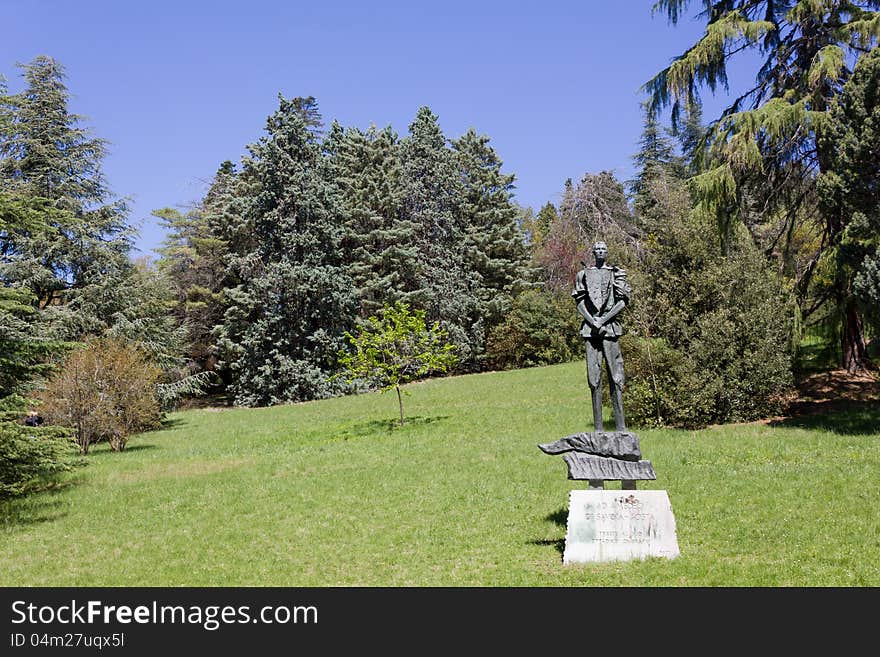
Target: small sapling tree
(396,348)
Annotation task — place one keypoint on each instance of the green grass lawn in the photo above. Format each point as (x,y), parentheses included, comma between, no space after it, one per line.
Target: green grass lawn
(331,493)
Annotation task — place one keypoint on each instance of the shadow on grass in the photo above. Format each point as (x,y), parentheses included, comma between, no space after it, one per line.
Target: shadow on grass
(847,418)
(39,506)
(372,427)
(170,424)
(106,451)
(560,518)
(816,357)
(217,400)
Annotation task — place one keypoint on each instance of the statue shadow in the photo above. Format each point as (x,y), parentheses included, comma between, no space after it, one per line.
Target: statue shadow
(389,426)
(847,418)
(559,518)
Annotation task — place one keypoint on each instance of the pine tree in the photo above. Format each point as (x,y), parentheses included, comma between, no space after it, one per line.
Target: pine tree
(691,135)
(307,109)
(546,216)
(75,257)
(193,256)
(653,160)
(25,350)
(381,244)
(849,192)
(495,253)
(431,190)
(429,182)
(287,317)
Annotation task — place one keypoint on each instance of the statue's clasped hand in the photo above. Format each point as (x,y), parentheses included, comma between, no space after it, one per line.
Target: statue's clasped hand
(596,328)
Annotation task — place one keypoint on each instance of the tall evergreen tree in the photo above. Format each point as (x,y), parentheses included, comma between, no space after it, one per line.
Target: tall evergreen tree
(381,245)
(430,184)
(654,159)
(850,193)
(193,256)
(567,197)
(766,148)
(223,212)
(495,254)
(287,317)
(25,349)
(691,136)
(28,456)
(75,258)
(545,218)
(430,193)
(307,109)
(145,317)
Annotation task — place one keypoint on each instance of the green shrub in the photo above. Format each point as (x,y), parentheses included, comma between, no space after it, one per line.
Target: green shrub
(711,329)
(542,328)
(723,373)
(661,387)
(30,457)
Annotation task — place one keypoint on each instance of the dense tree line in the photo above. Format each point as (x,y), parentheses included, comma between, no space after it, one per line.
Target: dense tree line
(738,234)
(317,231)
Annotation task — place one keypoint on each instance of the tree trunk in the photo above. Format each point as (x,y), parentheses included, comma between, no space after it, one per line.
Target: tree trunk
(400,403)
(853,350)
(853,347)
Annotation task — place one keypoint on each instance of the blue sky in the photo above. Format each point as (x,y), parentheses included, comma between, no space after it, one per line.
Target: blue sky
(178,87)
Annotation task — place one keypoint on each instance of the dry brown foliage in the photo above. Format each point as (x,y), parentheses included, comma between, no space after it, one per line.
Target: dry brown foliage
(104,391)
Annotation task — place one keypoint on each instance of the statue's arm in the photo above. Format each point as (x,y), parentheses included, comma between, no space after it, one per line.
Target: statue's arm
(580,297)
(622,292)
(611,314)
(582,309)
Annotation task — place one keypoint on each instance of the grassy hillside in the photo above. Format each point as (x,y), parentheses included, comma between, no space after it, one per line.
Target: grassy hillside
(332,493)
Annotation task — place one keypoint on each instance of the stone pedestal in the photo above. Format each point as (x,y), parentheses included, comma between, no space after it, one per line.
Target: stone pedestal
(610,525)
(613,525)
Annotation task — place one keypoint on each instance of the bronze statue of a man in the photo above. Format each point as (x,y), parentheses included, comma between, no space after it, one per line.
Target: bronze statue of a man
(600,293)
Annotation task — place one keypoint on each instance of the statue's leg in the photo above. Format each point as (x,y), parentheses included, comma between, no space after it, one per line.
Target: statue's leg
(614,362)
(594,379)
(597,407)
(617,408)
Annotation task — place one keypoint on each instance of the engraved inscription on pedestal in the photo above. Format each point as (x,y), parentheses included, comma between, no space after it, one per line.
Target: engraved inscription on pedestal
(612,525)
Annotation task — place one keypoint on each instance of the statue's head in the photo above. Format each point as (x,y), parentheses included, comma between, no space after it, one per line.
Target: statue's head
(600,250)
